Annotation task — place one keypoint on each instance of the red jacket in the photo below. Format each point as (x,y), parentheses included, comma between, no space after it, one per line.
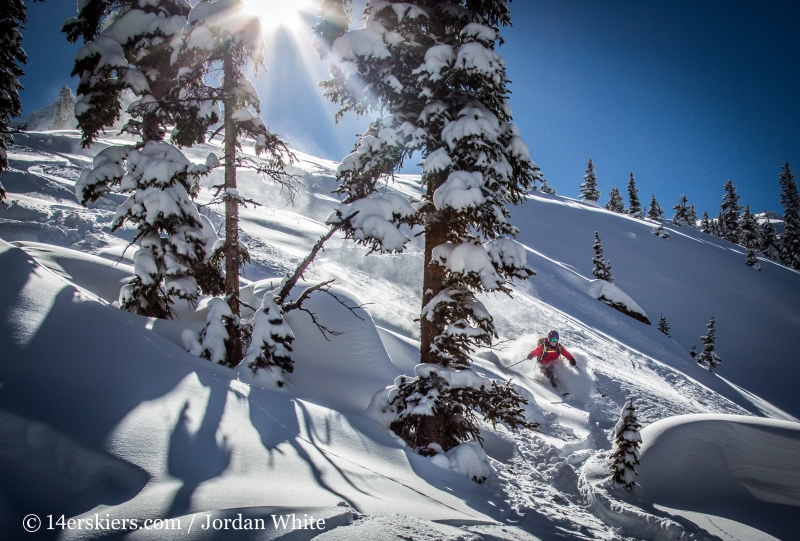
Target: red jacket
(551,355)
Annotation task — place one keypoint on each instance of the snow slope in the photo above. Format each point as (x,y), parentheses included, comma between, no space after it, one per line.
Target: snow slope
(103,412)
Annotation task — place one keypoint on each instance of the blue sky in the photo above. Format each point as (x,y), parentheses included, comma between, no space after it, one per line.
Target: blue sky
(685,95)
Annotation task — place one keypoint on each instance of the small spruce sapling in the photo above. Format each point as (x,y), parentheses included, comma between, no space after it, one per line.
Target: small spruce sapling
(546,188)
(635,207)
(589,189)
(627,440)
(769,245)
(615,202)
(708,358)
(706,225)
(693,353)
(663,326)
(602,268)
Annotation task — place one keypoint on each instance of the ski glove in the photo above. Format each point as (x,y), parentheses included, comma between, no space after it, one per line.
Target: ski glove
(572,362)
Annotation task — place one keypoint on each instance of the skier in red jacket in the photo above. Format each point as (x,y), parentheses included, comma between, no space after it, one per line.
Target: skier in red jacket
(547,353)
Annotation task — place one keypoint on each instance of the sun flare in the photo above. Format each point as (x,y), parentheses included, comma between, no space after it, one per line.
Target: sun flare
(279,13)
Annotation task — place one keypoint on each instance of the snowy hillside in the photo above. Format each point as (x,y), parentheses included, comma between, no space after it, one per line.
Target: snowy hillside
(104,413)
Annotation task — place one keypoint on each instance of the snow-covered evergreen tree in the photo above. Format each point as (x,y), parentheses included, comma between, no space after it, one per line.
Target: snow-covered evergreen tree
(729,213)
(790,200)
(334,19)
(12,57)
(693,353)
(660,231)
(545,187)
(691,217)
(635,207)
(271,341)
(431,70)
(224,36)
(768,242)
(615,202)
(706,225)
(602,268)
(749,236)
(663,326)
(589,189)
(708,358)
(681,212)
(128,49)
(655,212)
(627,440)
(64,117)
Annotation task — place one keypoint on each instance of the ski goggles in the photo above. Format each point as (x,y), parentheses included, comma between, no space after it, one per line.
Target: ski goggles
(554,339)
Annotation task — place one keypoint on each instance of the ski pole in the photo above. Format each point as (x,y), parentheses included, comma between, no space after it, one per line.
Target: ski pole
(602,394)
(515,364)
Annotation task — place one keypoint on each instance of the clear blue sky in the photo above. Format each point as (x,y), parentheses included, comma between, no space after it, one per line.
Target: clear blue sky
(684,94)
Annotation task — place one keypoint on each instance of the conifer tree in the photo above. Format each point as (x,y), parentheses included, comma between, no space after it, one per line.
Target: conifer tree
(691,217)
(546,188)
(768,242)
(681,212)
(615,202)
(749,236)
(334,20)
(660,231)
(64,118)
(693,353)
(719,229)
(589,189)
(708,358)
(663,326)
(635,207)
(12,57)
(224,36)
(706,226)
(790,200)
(627,440)
(128,49)
(655,213)
(432,72)
(602,268)
(730,213)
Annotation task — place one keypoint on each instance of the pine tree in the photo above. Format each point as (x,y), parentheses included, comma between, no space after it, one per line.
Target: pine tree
(790,200)
(128,49)
(660,231)
(546,188)
(12,57)
(635,207)
(615,203)
(706,225)
(64,118)
(708,358)
(729,213)
(691,217)
(768,242)
(627,440)
(271,341)
(602,268)
(589,189)
(749,236)
(663,326)
(693,353)
(681,212)
(334,19)
(223,37)
(655,213)
(444,91)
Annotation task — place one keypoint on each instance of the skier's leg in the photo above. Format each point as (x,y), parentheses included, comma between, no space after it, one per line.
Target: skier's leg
(548,371)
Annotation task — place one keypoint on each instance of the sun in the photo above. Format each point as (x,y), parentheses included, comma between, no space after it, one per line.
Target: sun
(279,13)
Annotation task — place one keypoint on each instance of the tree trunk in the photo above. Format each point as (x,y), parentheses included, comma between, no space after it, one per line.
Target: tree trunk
(231,250)
(432,279)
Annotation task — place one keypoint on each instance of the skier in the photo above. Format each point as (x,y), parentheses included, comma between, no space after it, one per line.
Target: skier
(547,353)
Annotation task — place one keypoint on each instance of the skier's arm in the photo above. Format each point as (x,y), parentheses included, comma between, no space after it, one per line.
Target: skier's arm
(536,352)
(567,355)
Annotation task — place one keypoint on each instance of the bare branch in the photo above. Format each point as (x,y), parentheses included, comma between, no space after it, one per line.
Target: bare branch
(303,266)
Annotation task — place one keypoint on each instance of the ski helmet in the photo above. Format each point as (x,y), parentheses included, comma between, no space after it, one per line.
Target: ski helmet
(552,336)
